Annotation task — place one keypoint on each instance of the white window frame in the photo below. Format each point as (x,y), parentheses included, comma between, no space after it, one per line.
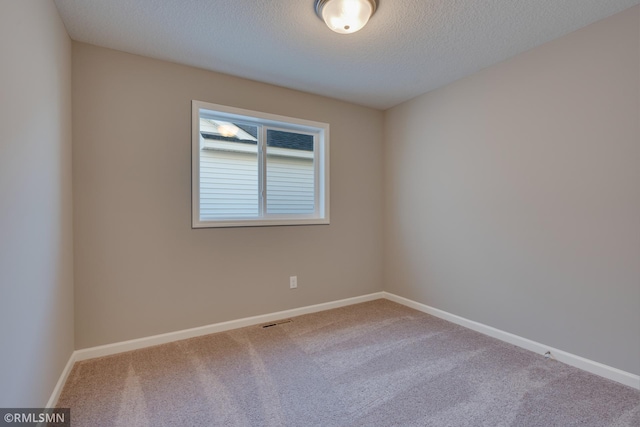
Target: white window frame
(265,121)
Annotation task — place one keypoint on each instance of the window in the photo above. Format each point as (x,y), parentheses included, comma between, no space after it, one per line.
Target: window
(257,169)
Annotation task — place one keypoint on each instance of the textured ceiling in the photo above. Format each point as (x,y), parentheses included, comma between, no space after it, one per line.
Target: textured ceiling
(408,48)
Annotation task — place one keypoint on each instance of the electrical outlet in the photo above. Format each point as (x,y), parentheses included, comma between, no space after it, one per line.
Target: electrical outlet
(293,282)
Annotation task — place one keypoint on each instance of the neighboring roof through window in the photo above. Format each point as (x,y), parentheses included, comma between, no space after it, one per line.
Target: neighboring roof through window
(220,130)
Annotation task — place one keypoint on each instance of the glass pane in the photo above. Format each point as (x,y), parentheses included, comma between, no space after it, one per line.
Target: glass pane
(290,174)
(228,170)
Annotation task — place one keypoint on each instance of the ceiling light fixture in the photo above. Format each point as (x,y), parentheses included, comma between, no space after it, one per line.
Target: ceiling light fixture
(345,16)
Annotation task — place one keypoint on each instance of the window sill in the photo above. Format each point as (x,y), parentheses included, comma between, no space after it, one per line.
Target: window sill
(259,223)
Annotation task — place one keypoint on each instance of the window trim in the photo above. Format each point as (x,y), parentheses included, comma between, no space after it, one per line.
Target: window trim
(272,121)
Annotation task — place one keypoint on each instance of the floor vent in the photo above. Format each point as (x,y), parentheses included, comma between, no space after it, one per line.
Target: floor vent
(279,322)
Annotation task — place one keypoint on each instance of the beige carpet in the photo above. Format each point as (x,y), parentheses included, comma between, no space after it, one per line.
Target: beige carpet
(371,364)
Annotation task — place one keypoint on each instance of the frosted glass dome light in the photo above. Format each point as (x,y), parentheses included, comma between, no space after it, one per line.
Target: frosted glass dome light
(345,16)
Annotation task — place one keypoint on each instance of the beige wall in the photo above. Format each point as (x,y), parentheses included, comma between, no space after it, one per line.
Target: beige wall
(139,267)
(512,196)
(36,253)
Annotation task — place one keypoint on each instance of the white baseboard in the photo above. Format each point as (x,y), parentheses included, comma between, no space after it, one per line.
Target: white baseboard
(600,369)
(120,347)
(597,368)
(53,400)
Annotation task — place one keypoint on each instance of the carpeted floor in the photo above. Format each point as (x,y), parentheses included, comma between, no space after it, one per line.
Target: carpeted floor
(371,364)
